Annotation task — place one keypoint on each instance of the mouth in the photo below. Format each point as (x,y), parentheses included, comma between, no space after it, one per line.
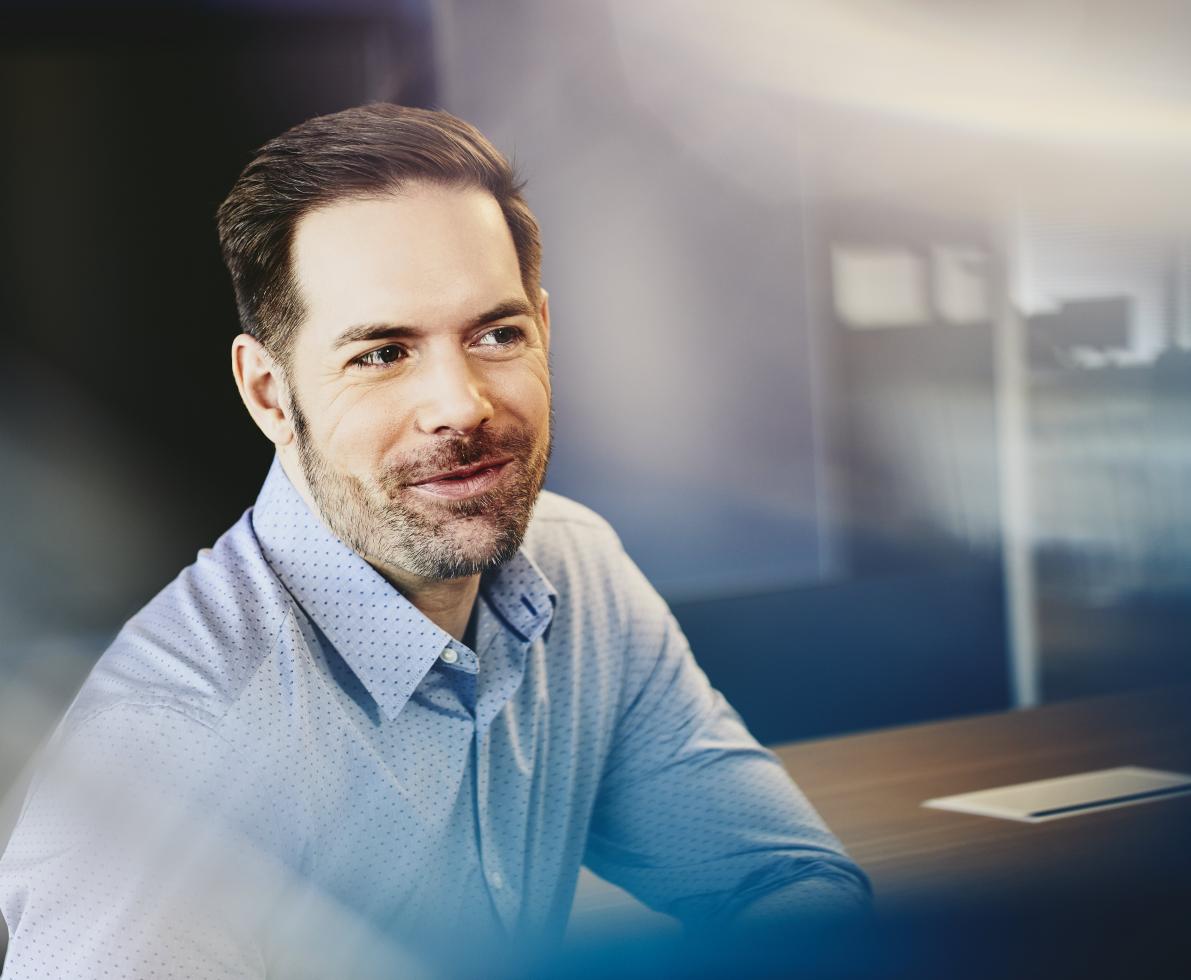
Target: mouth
(466,481)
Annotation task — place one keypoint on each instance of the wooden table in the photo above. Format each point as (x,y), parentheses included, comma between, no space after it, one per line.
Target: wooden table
(869,788)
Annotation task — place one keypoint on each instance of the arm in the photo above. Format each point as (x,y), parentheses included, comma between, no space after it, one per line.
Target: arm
(693,816)
(149,847)
(119,862)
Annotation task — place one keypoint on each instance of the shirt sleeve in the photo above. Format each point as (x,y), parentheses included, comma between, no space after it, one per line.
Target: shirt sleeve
(693,816)
(126,861)
(148,847)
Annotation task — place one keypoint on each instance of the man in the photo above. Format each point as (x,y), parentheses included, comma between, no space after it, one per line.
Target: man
(397,705)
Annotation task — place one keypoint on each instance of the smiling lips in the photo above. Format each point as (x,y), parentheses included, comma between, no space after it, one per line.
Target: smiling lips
(466,481)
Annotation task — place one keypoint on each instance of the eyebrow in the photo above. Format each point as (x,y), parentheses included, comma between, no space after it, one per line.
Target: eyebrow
(379,331)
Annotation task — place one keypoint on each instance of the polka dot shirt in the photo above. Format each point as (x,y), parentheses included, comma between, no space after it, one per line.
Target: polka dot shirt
(281,767)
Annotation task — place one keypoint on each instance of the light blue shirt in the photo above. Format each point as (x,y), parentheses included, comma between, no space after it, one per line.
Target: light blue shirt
(281,765)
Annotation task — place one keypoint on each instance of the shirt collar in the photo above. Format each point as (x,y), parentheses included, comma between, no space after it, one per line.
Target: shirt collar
(386,641)
(521,595)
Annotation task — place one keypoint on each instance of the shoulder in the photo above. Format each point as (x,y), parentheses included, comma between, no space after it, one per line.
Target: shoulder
(196,644)
(583,557)
(565,534)
(557,517)
(553,509)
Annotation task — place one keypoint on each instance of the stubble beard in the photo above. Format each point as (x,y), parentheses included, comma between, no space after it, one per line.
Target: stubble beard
(436,539)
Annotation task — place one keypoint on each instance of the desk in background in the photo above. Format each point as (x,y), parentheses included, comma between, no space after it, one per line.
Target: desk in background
(869,788)
(1103,893)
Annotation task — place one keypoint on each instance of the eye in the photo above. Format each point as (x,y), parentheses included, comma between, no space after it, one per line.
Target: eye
(501,337)
(381,356)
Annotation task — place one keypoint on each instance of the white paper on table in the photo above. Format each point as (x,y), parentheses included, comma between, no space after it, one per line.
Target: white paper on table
(1069,796)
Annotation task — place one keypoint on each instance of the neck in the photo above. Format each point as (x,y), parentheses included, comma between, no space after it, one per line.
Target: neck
(446,604)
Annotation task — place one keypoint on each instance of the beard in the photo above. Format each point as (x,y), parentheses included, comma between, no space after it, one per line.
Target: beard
(383,520)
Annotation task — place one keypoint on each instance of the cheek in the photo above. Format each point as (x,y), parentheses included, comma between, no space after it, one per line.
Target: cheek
(364,428)
(526,394)
(367,427)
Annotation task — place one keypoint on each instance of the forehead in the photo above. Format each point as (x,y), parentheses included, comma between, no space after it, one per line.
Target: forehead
(424,255)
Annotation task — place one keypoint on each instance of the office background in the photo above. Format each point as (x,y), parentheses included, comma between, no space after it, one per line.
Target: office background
(872,321)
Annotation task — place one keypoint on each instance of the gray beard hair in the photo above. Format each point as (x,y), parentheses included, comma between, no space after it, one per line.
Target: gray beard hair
(376,525)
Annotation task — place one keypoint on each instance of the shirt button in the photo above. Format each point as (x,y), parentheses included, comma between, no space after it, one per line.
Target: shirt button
(495,880)
(449,656)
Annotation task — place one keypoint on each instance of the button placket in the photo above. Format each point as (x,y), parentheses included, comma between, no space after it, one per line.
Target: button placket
(489,851)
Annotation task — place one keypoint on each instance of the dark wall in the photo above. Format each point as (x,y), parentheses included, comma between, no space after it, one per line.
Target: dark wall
(123,131)
(844,656)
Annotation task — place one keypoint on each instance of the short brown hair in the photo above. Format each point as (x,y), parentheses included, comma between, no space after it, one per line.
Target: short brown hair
(359,152)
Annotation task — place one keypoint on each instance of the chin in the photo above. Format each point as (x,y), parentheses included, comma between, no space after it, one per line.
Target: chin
(477,540)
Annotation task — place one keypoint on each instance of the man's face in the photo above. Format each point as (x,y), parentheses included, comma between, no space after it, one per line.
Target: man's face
(420,355)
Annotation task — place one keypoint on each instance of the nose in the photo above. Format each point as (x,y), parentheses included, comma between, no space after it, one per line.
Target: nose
(453,400)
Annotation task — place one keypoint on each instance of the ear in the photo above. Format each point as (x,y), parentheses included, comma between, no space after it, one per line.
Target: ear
(544,317)
(262,389)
